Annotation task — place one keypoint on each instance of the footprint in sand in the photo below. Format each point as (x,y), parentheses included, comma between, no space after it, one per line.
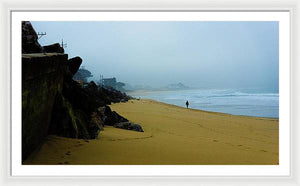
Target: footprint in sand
(215,140)
(68,153)
(263,151)
(78,145)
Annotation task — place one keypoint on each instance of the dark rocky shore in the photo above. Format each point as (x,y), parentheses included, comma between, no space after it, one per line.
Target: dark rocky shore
(53,103)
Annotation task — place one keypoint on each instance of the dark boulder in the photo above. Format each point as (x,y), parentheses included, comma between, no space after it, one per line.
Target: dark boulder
(107,110)
(75,113)
(74,64)
(67,121)
(81,98)
(95,125)
(110,117)
(92,86)
(30,42)
(54,48)
(116,118)
(129,126)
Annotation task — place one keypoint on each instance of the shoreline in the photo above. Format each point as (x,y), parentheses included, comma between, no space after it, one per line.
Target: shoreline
(239,102)
(172,135)
(208,111)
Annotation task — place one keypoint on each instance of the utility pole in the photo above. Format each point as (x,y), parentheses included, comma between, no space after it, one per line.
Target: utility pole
(101,80)
(41,34)
(63,45)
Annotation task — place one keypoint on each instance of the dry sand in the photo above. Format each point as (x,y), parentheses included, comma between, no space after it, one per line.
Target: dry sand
(173,135)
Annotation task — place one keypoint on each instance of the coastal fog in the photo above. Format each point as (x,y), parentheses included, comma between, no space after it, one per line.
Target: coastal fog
(218,104)
(156,54)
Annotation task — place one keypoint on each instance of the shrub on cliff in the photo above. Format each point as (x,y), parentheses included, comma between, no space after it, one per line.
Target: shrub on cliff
(82,74)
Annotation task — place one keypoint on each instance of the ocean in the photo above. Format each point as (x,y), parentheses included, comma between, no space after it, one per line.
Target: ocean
(231,101)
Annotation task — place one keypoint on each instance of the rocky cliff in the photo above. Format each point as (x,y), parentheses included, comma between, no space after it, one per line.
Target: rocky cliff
(42,79)
(53,103)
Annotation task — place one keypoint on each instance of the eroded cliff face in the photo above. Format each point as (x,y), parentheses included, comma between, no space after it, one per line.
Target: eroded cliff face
(42,80)
(30,42)
(53,103)
(48,104)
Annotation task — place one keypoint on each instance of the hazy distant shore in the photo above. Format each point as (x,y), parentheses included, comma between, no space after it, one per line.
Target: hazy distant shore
(173,135)
(137,93)
(240,102)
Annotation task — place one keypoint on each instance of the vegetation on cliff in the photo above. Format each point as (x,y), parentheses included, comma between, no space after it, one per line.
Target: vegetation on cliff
(82,74)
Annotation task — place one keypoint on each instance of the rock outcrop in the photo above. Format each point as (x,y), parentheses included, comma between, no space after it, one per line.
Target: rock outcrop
(74,64)
(42,79)
(54,48)
(109,117)
(30,42)
(67,121)
(53,103)
(129,126)
(75,112)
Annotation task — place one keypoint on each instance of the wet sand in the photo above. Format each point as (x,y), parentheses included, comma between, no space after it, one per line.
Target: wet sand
(173,136)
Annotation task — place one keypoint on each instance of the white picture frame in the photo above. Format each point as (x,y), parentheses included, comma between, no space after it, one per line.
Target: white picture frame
(211,180)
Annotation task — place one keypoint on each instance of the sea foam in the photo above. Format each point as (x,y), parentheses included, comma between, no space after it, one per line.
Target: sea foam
(231,101)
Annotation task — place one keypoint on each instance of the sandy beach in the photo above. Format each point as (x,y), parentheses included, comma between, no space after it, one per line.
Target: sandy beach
(173,135)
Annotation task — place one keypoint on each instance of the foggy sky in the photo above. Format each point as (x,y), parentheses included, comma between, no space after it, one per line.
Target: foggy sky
(198,54)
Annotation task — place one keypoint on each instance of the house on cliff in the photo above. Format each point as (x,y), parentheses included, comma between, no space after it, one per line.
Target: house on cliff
(112,82)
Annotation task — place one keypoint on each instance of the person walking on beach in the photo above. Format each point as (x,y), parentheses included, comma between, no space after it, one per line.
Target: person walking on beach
(187,104)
